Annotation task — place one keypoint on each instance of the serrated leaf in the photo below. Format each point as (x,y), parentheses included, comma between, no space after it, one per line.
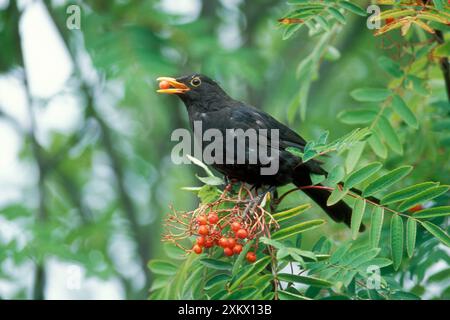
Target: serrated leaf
(162,267)
(336,175)
(436,231)
(357,215)
(286,295)
(411,231)
(297,228)
(370,94)
(390,66)
(406,193)
(336,196)
(353,156)
(312,281)
(337,14)
(287,214)
(357,116)
(422,197)
(376,224)
(218,278)
(290,30)
(386,180)
(255,268)
(397,240)
(389,134)
(377,145)
(399,105)
(362,174)
(353,7)
(433,212)
(216,264)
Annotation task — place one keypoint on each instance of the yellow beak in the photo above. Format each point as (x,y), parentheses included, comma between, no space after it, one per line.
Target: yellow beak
(177,87)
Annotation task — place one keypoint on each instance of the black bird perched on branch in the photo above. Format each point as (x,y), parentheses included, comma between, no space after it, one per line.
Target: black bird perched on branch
(209,104)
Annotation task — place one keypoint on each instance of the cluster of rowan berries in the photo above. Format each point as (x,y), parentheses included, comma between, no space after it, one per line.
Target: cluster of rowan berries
(229,235)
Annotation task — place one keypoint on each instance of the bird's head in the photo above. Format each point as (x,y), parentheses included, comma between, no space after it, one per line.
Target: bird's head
(192,89)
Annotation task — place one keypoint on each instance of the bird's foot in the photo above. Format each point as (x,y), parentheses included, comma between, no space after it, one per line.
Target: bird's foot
(257,200)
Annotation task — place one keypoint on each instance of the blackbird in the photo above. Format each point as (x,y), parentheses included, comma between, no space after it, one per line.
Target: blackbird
(208,103)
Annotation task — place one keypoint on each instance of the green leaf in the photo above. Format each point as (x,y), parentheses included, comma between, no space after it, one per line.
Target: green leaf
(437,232)
(336,175)
(242,293)
(312,281)
(287,214)
(286,295)
(357,215)
(406,193)
(386,180)
(336,196)
(397,240)
(439,4)
(433,212)
(237,264)
(376,224)
(422,197)
(353,156)
(362,174)
(296,229)
(357,116)
(337,14)
(411,231)
(322,22)
(218,278)
(216,264)
(317,178)
(377,145)
(389,134)
(399,105)
(390,66)
(162,267)
(443,50)
(353,7)
(370,94)
(290,30)
(208,194)
(255,268)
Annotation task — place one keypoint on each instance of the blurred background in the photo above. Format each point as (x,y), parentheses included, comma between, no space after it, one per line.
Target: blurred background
(85,170)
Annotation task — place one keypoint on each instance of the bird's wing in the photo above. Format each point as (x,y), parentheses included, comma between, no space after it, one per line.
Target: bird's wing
(245,117)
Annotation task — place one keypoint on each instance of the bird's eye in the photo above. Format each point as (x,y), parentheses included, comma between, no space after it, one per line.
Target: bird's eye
(196,82)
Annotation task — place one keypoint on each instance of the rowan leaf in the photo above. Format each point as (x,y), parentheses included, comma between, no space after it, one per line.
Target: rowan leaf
(406,193)
(376,224)
(387,180)
(433,212)
(436,231)
(411,231)
(312,281)
(353,7)
(397,240)
(389,134)
(399,105)
(297,228)
(362,174)
(357,216)
(370,94)
(422,197)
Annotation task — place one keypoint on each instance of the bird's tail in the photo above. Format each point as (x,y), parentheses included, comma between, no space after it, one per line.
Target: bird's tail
(339,212)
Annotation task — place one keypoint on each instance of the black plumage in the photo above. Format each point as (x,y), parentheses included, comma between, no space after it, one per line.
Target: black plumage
(207,102)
